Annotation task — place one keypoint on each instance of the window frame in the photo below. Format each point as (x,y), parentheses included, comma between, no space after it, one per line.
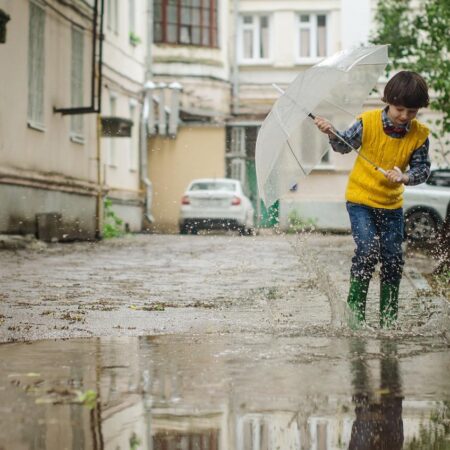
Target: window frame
(131,16)
(112,16)
(36,67)
(77,85)
(133,156)
(211,27)
(112,147)
(313,27)
(256,27)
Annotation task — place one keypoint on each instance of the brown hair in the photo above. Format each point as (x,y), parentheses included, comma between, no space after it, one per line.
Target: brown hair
(407,89)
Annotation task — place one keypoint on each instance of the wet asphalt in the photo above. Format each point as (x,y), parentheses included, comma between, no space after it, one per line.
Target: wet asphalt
(215,342)
(159,284)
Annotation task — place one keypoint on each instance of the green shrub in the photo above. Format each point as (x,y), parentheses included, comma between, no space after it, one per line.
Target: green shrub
(298,224)
(112,224)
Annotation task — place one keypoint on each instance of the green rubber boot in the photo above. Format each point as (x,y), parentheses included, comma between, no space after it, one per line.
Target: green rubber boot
(356,301)
(388,304)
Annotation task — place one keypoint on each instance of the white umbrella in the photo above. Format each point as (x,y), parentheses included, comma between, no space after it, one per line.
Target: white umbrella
(289,145)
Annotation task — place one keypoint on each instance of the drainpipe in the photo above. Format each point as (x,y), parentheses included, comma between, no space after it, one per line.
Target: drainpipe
(149,50)
(162,122)
(147,118)
(99,202)
(174,116)
(143,148)
(235,69)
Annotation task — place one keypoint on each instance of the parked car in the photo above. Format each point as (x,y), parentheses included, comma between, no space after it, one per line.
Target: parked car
(426,206)
(216,203)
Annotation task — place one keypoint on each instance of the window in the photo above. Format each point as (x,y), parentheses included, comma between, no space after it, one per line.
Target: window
(112,15)
(186,22)
(132,16)
(238,141)
(133,141)
(312,36)
(36,65)
(254,37)
(112,140)
(76,82)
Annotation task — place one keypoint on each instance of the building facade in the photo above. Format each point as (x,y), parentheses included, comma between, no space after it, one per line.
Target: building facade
(48,182)
(63,88)
(190,60)
(181,92)
(125,66)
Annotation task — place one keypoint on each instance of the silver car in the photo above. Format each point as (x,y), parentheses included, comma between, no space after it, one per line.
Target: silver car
(426,206)
(216,203)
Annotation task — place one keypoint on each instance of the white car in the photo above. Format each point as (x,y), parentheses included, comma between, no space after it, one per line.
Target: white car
(216,203)
(426,206)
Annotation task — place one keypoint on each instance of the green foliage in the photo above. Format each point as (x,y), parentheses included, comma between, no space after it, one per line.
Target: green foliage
(112,224)
(88,398)
(435,436)
(298,223)
(134,441)
(134,39)
(419,40)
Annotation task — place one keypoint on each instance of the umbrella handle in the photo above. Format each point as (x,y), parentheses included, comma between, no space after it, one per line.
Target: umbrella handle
(359,153)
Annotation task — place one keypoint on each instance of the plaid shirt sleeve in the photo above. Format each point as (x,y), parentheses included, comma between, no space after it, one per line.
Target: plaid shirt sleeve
(419,165)
(352,135)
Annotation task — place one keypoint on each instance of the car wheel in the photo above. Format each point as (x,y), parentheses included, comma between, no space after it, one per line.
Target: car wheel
(421,225)
(244,231)
(251,232)
(184,229)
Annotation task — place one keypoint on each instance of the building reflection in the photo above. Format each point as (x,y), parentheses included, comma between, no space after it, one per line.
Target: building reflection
(156,394)
(177,414)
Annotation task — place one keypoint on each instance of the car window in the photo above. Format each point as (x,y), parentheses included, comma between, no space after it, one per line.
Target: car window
(439,178)
(213,186)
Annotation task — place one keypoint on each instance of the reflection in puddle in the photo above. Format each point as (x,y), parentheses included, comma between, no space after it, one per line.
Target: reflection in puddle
(224,393)
(378,413)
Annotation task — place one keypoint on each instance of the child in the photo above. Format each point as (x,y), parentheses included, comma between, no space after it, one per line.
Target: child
(393,139)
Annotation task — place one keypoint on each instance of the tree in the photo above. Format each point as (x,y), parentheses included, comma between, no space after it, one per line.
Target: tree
(419,40)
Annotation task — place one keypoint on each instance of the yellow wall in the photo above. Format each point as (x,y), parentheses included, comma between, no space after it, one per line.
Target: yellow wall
(197,152)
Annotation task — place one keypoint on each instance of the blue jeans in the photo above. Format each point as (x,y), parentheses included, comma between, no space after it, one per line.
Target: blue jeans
(378,235)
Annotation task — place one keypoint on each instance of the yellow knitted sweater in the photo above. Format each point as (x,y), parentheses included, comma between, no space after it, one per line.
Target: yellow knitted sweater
(370,187)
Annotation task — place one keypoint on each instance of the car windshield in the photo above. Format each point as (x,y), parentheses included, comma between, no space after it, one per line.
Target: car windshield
(213,186)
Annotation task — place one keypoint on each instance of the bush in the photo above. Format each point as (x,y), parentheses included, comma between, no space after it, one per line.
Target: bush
(112,224)
(298,224)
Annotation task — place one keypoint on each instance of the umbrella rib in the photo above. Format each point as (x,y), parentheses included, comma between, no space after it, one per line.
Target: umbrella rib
(287,141)
(338,107)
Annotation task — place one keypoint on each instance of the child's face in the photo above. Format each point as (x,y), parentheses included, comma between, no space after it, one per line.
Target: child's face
(400,115)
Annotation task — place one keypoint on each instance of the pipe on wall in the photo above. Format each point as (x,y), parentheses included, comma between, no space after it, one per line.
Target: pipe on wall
(149,87)
(235,68)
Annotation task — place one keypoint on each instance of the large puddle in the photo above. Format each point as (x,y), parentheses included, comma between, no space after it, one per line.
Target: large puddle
(226,392)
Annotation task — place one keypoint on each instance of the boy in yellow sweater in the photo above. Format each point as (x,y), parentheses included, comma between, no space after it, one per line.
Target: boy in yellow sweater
(393,139)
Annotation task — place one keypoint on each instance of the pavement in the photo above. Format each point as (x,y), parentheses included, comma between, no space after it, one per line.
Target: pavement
(154,284)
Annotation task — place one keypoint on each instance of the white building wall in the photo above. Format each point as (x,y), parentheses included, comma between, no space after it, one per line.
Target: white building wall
(124,71)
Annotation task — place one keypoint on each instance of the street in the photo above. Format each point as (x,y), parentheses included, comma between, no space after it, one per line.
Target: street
(157,284)
(214,342)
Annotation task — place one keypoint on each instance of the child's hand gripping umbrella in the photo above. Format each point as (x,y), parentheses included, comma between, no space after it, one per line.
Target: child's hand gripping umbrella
(289,146)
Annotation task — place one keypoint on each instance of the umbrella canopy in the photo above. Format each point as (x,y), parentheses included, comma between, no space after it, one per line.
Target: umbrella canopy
(289,145)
